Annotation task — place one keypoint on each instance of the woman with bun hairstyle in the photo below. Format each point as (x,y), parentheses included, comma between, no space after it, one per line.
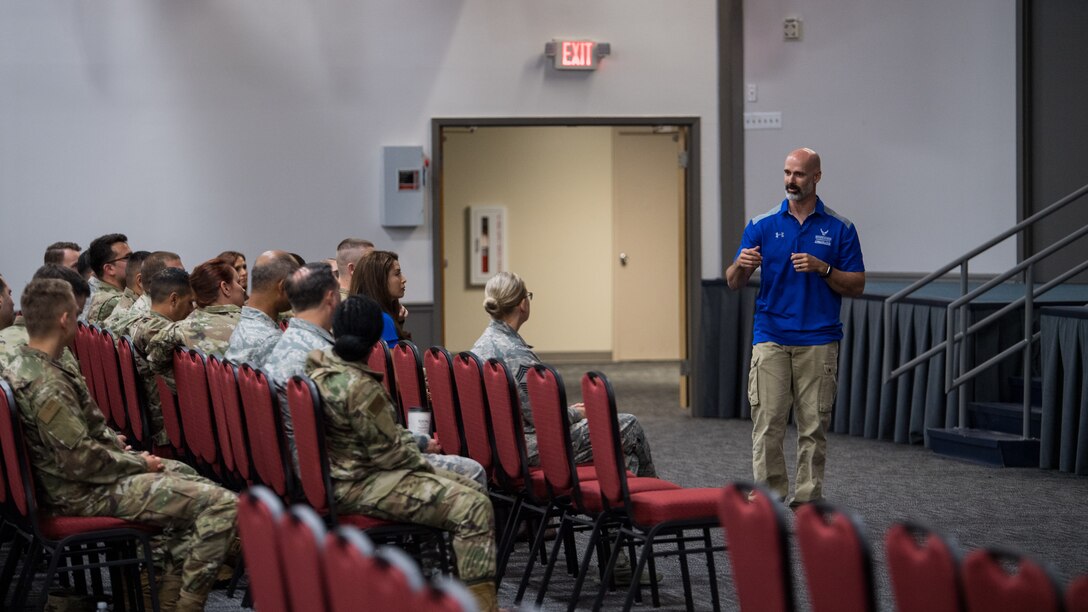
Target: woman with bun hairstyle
(378,276)
(219,297)
(375,464)
(509,303)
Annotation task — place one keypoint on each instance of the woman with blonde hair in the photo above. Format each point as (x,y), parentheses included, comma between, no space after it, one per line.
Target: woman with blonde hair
(509,303)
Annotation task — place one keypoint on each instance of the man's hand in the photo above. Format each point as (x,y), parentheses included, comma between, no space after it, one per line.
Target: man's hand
(154,464)
(403,314)
(749,259)
(434,447)
(803,262)
(738,273)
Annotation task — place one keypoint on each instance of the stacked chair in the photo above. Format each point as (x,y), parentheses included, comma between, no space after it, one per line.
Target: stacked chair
(295,564)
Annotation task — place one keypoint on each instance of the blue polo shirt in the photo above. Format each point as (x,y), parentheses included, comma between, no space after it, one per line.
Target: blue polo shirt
(798,308)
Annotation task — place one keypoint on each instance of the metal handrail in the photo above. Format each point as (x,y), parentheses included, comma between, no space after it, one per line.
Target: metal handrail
(952,337)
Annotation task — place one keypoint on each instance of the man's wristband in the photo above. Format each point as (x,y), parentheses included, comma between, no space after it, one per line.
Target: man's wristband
(827,272)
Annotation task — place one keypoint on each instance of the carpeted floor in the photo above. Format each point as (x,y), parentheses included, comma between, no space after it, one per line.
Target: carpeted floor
(1037,512)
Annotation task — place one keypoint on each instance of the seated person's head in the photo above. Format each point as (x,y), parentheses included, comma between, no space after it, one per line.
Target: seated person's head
(269,273)
(109,256)
(156,262)
(357,327)
(215,282)
(378,275)
(311,286)
(132,272)
(503,294)
(49,309)
(83,265)
(63,253)
(348,253)
(80,289)
(7,305)
(171,295)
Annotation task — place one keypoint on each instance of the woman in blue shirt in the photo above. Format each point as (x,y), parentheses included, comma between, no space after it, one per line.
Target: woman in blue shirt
(378,276)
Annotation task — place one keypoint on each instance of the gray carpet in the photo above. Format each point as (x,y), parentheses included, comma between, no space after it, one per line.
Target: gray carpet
(1037,512)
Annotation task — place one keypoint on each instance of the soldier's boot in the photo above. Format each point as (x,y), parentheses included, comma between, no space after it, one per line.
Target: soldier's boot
(168,591)
(190,602)
(485,595)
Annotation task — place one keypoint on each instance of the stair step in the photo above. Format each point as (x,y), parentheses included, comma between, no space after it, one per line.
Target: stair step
(993,448)
(1004,417)
(1016,387)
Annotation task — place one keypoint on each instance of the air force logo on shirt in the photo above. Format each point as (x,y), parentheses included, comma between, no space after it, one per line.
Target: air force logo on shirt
(823,238)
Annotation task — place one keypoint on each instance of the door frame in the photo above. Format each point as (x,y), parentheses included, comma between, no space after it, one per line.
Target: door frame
(691,283)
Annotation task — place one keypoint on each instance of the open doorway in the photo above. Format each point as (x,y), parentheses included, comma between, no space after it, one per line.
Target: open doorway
(598,216)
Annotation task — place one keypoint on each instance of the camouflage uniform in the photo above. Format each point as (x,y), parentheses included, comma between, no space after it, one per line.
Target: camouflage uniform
(83,470)
(289,359)
(102,303)
(121,310)
(377,468)
(142,330)
(15,336)
(207,329)
(142,304)
(500,341)
(254,338)
(92,284)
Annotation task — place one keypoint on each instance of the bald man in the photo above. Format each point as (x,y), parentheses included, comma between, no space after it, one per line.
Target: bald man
(258,332)
(811,258)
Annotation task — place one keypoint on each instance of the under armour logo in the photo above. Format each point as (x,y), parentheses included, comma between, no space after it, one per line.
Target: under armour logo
(780,234)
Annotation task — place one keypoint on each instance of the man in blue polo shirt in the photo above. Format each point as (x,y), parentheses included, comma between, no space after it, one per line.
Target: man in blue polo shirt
(810,257)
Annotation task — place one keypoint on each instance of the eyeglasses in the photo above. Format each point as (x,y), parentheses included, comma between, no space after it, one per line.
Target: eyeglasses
(122,258)
(529,294)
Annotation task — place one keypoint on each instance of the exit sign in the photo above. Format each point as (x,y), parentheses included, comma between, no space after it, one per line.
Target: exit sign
(576,54)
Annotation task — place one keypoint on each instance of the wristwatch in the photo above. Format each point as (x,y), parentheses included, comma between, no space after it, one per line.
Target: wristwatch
(827,272)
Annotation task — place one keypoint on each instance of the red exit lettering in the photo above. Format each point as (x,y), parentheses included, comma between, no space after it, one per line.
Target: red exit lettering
(577,53)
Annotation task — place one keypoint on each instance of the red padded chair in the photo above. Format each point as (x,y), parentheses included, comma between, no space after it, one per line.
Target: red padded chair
(98,390)
(1076,594)
(924,570)
(475,411)
(445,404)
(988,585)
(513,473)
(649,511)
(836,558)
(73,544)
(194,402)
(758,536)
(132,385)
(85,353)
(260,513)
(349,567)
(227,406)
(408,376)
(217,387)
(111,376)
(302,544)
(307,418)
(264,432)
(381,361)
(171,417)
(448,595)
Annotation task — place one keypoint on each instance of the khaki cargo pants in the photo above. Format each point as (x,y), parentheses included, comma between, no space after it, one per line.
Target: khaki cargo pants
(803,378)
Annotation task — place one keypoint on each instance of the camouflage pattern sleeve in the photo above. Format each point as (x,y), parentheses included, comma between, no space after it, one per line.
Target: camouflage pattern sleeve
(160,350)
(64,433)
(389,445)
(102,303)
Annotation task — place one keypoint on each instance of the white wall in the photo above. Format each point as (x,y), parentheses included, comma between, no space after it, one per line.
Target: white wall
(912,106)
(202,125)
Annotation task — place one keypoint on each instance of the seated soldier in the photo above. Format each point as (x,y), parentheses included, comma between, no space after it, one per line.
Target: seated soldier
(133,291)
(314,296)
(84,469)
(348,253)
(171,300)
(377,468)
(109,261)
(156,262)
(7,305)
(257,332)
(63,253)
(14,337)
(219,298)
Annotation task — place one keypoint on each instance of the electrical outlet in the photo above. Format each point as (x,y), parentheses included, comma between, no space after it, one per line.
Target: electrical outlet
(791,28)
(752,92)
(763,121)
